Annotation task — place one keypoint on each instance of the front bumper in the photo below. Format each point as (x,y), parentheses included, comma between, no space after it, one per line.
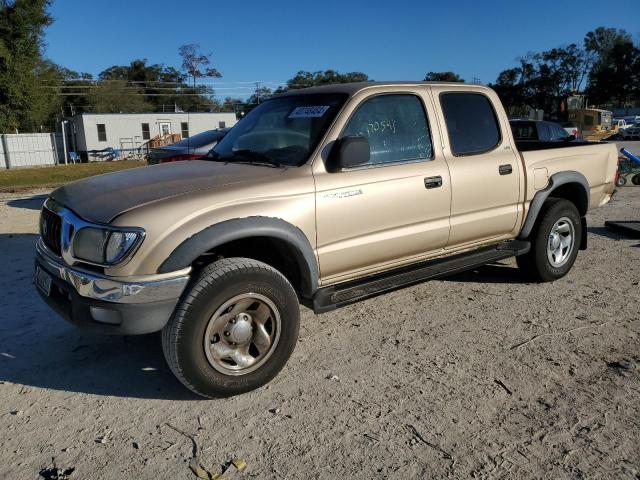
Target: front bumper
(127,306)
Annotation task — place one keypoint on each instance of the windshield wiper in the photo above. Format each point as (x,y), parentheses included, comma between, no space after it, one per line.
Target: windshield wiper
(253,157)
(215,157)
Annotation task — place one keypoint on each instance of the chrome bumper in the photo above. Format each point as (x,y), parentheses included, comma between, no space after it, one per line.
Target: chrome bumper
(133,290)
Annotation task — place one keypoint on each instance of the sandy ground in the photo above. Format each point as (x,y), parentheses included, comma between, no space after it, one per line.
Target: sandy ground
(479,376)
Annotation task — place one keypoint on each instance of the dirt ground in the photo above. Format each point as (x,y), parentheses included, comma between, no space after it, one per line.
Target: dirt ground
(478,376)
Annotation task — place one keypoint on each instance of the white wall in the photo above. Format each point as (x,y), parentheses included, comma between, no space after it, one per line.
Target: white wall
(27,150)
(124,130)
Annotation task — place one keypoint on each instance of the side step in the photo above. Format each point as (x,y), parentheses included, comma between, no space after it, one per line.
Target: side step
(335,296)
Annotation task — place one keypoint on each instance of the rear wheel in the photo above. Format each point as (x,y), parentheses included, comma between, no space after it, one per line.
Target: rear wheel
(554,242)
(636,179)
(234,330)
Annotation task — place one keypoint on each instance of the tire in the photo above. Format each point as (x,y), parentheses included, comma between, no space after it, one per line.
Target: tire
(258,319)
(621,182)
(636,179)
(538,264)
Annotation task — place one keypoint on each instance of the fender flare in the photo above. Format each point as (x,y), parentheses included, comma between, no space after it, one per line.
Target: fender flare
(556,180)
(240,228)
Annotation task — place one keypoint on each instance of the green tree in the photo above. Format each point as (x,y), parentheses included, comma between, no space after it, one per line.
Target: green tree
(162,88)
(73,89)
(259,95)
(443,77)
(542,80)
(599,43)
(231,104)
(116,96)
(615,80)
(304,79)
(23,104)
(197,64)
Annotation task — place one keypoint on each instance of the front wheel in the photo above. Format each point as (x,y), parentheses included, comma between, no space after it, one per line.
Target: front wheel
(554,242)
(621,182)
(234,330)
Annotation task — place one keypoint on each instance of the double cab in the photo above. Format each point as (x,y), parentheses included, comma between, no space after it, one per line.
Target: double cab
(321,197)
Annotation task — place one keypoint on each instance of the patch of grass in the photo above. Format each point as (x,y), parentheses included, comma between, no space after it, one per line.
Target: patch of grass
(26,178)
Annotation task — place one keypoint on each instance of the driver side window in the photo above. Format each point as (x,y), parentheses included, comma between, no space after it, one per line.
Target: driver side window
(395,126)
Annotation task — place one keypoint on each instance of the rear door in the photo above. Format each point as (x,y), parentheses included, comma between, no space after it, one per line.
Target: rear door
(484,168)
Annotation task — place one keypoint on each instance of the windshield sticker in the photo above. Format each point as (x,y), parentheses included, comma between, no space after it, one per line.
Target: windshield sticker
(311,111)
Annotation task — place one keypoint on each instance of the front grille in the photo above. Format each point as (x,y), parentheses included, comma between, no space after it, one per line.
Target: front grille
(51,230)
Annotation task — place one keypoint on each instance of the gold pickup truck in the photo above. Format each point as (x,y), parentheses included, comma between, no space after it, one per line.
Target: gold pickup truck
(322,197)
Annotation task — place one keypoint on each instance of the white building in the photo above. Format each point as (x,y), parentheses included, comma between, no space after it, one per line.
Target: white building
(128,132)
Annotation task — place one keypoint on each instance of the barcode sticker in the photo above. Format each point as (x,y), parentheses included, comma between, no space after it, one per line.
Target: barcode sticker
(311,111)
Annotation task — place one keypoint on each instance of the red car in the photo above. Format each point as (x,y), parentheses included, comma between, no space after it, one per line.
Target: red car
(191,148)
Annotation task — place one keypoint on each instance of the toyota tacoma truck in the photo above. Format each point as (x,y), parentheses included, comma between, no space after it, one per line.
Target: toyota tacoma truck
(321,197)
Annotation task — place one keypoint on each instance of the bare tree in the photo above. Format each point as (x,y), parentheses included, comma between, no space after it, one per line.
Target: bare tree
(197,64)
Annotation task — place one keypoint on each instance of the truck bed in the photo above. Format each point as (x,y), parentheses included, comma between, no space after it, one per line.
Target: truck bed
(532,145)
(597,162)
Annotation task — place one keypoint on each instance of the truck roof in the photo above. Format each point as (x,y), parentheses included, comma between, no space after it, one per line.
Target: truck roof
(353,88)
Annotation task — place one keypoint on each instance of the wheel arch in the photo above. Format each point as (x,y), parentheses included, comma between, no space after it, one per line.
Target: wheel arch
(570,185)
(272,240)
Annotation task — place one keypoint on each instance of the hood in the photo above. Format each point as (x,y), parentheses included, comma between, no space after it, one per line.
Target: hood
(102,198)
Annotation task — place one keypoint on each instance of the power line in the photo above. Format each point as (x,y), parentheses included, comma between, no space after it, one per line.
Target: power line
(153,83)
(177,94)
(96,80)
(89,87)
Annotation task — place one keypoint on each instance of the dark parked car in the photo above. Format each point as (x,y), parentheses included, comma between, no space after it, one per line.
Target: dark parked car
(539,131)
(191,148)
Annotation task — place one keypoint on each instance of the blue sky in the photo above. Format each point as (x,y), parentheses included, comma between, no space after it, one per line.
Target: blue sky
(270,41)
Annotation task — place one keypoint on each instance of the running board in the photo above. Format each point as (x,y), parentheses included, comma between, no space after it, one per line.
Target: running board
(335,296)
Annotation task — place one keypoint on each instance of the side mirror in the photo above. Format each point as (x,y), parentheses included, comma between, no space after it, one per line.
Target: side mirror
(349,152)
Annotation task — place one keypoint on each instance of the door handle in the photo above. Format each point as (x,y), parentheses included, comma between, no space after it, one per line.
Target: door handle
(433,182)
(505,169)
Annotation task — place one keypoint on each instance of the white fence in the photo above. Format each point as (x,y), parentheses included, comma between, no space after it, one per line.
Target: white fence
(30,150)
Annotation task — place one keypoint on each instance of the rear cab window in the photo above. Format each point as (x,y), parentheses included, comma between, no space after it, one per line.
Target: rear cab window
(557,132)
(544,132)
(472,123)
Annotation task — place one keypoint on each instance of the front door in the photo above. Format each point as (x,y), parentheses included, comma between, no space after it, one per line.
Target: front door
(165,128)
(484,168)
(393,210)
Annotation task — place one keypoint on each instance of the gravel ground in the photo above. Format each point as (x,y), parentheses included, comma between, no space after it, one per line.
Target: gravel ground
(478,376)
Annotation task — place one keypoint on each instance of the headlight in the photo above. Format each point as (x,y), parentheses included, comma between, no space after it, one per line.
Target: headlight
(105,246)
(118,245)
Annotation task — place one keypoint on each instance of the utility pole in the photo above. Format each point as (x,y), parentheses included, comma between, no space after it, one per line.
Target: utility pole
(5,148)
(64,141)
(258,92)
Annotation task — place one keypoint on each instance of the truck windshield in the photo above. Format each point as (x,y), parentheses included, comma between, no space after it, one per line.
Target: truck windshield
(281,131)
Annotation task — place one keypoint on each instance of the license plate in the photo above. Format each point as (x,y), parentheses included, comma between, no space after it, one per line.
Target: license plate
(43,281)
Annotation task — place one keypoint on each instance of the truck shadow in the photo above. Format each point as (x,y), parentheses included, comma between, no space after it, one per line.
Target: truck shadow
(492,273)
(604,232)
(31,203)
(39,349)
